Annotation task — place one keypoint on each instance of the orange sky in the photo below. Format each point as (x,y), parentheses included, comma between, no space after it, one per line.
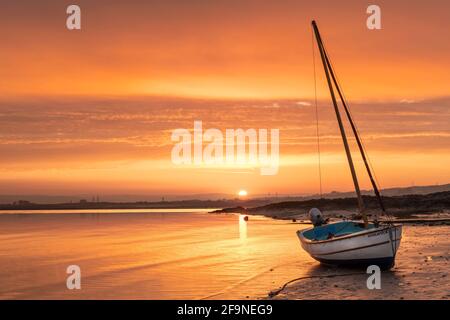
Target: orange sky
(257,49)
(92,110)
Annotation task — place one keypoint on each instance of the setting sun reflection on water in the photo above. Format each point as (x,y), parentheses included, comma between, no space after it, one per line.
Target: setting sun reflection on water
(157,255)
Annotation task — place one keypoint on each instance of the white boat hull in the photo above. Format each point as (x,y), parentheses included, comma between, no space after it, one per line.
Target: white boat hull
(373,246)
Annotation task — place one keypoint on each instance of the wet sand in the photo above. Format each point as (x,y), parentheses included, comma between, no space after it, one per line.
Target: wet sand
(421,272)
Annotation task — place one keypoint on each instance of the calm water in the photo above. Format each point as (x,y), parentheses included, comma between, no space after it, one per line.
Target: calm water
(147,254)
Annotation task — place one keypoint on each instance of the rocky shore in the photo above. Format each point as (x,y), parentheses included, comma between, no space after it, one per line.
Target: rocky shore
(434,205)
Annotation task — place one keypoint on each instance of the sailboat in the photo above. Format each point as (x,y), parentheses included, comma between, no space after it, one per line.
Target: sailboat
(355,243)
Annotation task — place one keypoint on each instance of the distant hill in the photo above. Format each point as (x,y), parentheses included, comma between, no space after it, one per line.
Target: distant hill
(401,201)
(416,190)
(399,206)
(398,191)
(129,198)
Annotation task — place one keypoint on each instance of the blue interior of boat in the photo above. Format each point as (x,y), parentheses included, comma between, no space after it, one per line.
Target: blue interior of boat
(333,230)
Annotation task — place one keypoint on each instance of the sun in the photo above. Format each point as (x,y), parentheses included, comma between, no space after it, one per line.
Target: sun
(242,193)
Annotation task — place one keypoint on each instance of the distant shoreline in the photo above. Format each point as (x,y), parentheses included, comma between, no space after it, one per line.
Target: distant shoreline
(190,204)
(42,202)
(399,206)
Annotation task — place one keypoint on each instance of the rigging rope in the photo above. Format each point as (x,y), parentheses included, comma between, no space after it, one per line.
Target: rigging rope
(389,216)
(317,113)
(356,127)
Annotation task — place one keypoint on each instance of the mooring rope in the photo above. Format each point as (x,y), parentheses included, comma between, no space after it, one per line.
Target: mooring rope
(274,293)
(277,292)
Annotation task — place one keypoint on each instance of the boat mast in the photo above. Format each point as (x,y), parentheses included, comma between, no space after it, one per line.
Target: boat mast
(328,71)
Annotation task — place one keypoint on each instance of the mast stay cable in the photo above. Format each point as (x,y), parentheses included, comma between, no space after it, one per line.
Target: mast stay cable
(317,114)
(328,70)
(360,143)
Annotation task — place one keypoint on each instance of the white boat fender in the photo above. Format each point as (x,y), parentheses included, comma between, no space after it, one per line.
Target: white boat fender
(315,215)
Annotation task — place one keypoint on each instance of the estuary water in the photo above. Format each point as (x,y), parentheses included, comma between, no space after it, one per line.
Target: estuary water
(146,254)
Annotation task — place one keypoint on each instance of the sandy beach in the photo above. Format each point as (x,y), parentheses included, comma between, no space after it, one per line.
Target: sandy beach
(421,272)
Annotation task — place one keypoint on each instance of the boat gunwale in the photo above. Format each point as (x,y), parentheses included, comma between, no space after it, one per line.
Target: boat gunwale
(357,248)
(345,237)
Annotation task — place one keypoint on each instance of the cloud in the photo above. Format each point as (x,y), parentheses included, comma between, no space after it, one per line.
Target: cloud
(408,101)
(114,138)
(303,103)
